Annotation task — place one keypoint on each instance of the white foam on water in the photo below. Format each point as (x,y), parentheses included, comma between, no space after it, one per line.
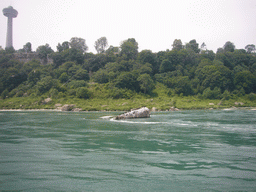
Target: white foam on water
(134,122)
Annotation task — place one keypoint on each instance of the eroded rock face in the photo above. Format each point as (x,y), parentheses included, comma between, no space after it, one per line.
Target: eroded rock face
(143,112)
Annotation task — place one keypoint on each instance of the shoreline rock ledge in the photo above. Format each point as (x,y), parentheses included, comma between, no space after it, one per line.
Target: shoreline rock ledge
(143,112)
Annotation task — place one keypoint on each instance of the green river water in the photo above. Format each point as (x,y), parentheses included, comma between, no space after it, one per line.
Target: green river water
(204,150)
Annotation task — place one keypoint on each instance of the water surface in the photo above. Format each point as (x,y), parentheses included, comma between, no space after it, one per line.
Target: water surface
(211,150)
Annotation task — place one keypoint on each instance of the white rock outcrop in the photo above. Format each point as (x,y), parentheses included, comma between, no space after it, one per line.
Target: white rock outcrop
(143,112)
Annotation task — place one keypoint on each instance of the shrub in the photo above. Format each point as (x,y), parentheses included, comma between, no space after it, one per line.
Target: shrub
(53,93)
(72,92)
(76,84)
(226,95)
(45,84)
(252,96)
(212,94)
(4,94)
(83,93)
(19,94)
(64,77)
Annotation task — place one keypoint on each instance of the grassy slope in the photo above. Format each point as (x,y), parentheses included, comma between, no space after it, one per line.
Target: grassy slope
(100,102)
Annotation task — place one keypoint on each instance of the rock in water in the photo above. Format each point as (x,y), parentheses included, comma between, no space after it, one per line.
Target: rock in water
(143,112)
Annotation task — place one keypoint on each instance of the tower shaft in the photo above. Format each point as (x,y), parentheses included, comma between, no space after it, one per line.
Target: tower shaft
(10,13)
(9,33)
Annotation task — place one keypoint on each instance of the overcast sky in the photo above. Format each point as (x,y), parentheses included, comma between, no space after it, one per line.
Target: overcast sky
(155,24)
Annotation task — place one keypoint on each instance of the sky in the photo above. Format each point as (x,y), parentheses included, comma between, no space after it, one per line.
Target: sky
(154,24)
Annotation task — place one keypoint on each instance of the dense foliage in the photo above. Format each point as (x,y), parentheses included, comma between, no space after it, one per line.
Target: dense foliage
(124,71)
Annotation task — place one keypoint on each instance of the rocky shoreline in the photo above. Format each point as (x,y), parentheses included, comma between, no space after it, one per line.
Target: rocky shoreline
(59,110)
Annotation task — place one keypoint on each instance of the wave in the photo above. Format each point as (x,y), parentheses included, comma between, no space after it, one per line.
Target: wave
(135,122)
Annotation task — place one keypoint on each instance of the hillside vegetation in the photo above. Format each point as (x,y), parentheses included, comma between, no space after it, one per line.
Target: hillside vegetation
(121,78)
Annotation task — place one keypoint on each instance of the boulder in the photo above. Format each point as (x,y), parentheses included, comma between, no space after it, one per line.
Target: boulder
(154,109)
(77,109)
(58,105)
(143,112)
(47,100)
(67,107)
(174,109)
(239,103)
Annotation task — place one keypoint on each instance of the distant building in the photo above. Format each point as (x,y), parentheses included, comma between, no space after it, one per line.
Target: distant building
(26,57)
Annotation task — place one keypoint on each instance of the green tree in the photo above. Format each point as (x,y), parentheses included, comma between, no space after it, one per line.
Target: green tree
(72,54)
(146,56)
(101,44)
(166,66)
(62,47)
(143,68)
(96,62)
(81,74)
(229,47)
(27,48)
(83,93)
(44,84)
(203,47)
(207,54)
(129,49)
(43,51)
(127,80)
(193,45)
(182,84)
(216,75)
(177,45)
(101,76)
(78,43)
(10,50)
(112,50)
(146,83)
(220,50)
(245,80)
(5,94)
(76,84)
(64,77)
(34,76)
(250,48)
(57,58)
(212,94)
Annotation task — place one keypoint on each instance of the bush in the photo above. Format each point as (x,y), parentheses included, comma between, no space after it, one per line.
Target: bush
(226,95)
(116,93)
(53,93)
(83,93)
(238,93)
(64,77)
(72,92)
(76,84)
(252,96)
(45,84)
(212,94)
(4,94)
(19,94)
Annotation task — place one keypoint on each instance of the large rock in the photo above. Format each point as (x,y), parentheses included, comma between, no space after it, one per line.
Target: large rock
(67,107)
(47,100)
(143,112)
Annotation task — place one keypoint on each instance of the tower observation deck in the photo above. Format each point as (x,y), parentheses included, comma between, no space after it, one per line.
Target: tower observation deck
(10,13)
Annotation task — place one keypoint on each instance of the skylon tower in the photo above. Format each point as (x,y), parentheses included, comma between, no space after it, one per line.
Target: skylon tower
(10,13)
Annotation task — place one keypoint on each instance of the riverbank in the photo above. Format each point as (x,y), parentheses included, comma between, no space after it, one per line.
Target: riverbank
(153,103)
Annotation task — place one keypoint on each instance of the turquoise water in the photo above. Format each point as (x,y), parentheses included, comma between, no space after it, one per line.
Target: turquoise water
(212,150)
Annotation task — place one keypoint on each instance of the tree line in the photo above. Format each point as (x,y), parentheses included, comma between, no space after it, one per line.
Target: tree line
(187,69)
